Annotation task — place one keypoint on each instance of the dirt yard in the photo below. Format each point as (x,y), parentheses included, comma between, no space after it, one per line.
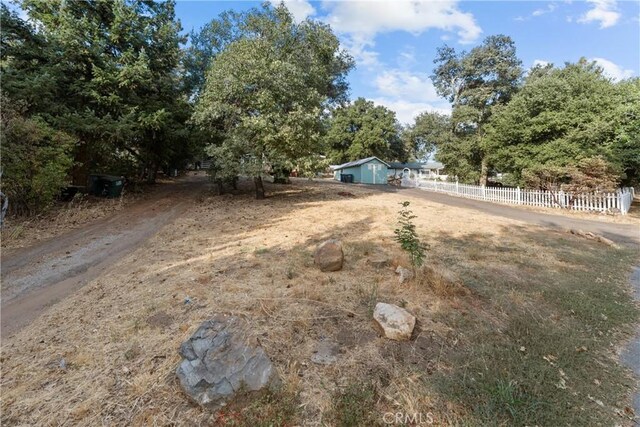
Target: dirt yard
(517,325)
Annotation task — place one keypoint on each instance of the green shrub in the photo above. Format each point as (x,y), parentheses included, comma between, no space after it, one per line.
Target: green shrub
(407,236)
(35,161)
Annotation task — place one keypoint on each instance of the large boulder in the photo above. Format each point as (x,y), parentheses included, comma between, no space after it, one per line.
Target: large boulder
(221,359)
(329,255)
(395,323)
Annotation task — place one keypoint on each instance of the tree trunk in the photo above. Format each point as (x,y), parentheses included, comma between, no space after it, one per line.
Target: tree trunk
(80,169)
(257,180)
(484,171)
(152,172)
(220,187)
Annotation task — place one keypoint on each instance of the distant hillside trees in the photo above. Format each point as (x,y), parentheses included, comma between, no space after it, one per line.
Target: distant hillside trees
(266,93)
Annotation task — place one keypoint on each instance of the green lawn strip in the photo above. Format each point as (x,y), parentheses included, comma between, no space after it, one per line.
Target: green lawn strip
(551,360)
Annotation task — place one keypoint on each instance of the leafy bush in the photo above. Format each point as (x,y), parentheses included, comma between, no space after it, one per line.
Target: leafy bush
(592,174)
(35,161)
(408,238)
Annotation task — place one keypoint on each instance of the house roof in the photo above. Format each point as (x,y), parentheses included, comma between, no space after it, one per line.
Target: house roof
(434,165)
(357,163)
(416,165)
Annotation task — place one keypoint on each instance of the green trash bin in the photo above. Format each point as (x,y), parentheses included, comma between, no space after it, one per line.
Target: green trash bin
(95,185)
(110,186)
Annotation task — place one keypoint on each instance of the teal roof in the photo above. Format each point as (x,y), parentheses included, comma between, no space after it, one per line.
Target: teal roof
(414,165)
(358,163)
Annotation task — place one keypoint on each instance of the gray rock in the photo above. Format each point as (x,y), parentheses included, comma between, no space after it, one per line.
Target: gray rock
(405,274)
(325,353)
(396,323)
(329,255)
(223,358)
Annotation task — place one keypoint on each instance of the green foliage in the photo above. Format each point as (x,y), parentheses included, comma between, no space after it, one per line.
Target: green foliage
(408,238)
(429,130)
(476,83)
(205,45)
(265,94)
(564,115)
(363,129)
(105,72)
(35,160)
(311,166)
(590,175)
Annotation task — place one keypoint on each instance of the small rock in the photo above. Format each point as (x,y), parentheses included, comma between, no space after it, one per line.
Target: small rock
(405,274)
(379,261)
(329,255)
(325,353)
(396,323)
(222,358)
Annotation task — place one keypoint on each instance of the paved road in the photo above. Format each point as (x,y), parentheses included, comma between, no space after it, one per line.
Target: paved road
(35,278)
(627,234)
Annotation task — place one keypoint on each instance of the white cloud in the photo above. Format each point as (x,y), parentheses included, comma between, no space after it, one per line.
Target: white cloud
(407,56)
(536,13)
(603,11)
(612,70)
(359,22)
(406,85)
(550,8)
(407,111)
(300,9)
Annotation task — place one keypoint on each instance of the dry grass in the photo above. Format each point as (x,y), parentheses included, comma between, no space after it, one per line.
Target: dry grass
(82,210)
(119,335)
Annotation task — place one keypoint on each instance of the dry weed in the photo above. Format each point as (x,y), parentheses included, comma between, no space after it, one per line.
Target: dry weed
(251,258)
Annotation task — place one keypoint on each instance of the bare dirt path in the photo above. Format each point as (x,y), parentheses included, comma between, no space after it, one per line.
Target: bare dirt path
(36,277)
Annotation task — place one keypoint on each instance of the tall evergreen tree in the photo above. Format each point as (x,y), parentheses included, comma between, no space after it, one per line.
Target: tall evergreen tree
(112,67)
(476,83)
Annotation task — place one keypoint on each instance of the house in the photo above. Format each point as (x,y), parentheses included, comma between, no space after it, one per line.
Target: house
(371,170)
(396,168)
(429,170)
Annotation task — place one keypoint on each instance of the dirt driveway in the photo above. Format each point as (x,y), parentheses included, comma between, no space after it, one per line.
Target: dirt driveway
(37,277)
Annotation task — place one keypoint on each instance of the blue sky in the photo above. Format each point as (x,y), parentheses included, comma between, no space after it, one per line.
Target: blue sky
(394,42)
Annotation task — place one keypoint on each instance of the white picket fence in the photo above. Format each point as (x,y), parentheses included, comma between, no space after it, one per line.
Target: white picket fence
(616,202)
